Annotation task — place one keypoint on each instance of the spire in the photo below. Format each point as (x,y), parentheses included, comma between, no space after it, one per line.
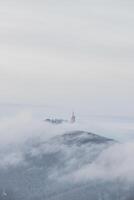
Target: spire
(73,118)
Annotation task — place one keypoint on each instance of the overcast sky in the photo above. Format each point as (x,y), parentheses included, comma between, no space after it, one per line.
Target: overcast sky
(76,54)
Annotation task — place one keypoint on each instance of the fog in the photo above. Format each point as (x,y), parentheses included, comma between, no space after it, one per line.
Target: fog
(20,130)
(59,57)
(115,163)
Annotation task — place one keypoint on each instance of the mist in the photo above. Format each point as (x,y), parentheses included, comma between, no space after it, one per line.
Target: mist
(20,130)
(59,57)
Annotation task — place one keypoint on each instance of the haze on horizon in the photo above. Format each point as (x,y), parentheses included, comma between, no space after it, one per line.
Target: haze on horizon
(75,54)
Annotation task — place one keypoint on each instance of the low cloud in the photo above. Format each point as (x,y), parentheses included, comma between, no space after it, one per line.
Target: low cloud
(117,162)
(11,159)
(17,132)
(21,127)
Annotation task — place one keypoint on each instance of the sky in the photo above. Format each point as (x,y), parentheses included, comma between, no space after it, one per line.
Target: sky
(72,54)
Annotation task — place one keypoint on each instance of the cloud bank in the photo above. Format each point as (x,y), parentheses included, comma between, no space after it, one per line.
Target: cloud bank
(115,163)
(17,133)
